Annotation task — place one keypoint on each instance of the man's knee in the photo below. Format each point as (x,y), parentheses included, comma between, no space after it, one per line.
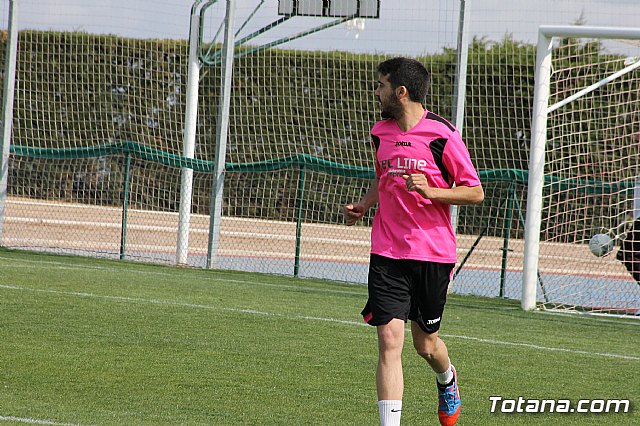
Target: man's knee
(427,345)
(391,337)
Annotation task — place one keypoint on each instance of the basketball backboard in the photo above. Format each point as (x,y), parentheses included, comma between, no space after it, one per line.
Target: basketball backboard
(330,8)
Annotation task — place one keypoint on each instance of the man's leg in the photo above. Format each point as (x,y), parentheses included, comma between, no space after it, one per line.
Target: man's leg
(430,347)
(389,380)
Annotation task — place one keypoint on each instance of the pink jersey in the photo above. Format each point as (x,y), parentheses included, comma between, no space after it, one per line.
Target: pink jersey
(406,225)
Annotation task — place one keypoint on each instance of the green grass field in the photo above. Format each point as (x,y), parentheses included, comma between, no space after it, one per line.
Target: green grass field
(98,342)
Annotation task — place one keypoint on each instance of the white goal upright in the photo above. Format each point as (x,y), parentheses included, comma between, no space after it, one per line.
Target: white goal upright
(583,167)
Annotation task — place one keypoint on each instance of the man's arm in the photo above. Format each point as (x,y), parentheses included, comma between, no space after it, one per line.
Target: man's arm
(459,195)
(353,212)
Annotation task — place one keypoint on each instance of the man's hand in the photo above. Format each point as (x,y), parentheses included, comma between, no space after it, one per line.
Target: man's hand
(353,213)
(417,182)
(458,195)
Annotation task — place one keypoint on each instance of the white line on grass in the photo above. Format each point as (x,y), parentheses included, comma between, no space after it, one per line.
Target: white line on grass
(34,421)
(308,318)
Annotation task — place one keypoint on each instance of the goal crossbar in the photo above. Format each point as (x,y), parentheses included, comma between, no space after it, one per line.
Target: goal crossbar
(578,31)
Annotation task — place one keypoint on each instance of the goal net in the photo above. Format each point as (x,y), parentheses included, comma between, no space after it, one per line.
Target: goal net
(99,122)
(583,172)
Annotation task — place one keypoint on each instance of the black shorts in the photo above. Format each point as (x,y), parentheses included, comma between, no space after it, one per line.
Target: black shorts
(407,289)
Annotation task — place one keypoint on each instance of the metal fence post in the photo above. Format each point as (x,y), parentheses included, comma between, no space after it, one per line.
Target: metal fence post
(7,107)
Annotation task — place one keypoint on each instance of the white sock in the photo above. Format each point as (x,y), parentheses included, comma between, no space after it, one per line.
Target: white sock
(390,411)
(445,377)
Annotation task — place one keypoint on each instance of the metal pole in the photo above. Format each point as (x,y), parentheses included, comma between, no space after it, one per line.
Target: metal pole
(10,65)
(594,86)
(523,222)
(189,141)
(506,234)
(462,58)
(299,200)
(536,172)
(586,31)
(460,88)
(125,207)
(222,131)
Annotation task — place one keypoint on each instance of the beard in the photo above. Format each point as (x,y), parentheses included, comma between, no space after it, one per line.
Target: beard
(391,109)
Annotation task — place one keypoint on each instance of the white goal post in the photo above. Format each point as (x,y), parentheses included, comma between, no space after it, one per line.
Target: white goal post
(539,132)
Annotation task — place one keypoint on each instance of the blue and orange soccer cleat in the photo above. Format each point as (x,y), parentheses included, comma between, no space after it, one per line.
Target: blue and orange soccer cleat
(449,402)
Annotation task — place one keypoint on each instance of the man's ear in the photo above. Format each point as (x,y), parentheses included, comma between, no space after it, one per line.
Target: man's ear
(401,91)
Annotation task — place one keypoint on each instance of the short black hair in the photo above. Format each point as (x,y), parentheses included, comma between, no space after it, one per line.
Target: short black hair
(409,73)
